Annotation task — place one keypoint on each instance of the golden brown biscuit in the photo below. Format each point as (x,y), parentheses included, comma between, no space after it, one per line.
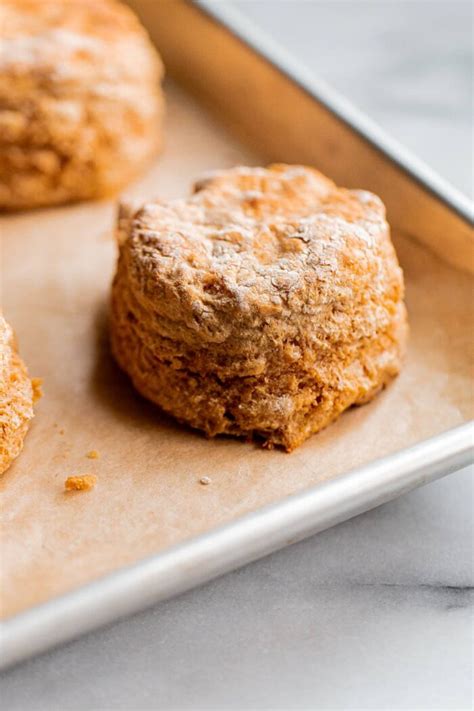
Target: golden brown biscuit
(17,395)
(80,100)
(265,304)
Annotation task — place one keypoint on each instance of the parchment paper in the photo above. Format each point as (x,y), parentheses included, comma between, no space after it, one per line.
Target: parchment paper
(57,266)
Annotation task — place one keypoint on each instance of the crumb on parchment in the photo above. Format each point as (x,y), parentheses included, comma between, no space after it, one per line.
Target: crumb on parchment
(36,384)
(83,482)
(93,454)
(204,480)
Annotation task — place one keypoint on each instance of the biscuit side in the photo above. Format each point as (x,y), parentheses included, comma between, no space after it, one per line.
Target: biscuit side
(17,396)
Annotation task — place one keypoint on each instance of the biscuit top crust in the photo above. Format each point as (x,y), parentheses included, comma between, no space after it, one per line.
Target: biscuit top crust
(255,246)
(103,18)
(65,40)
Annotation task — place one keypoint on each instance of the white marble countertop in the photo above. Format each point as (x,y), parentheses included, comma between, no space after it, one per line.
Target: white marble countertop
(377,612)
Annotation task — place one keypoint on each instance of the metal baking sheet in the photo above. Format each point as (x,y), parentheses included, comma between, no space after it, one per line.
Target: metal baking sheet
(100,556)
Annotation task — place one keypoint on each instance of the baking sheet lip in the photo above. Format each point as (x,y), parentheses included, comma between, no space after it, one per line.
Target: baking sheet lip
(150,580)
(343,109)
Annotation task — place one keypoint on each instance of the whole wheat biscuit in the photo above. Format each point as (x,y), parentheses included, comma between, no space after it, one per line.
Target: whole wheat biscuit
(17,395)
(80,100)
(263,305)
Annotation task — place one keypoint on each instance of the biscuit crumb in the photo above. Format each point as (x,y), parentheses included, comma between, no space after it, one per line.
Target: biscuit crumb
(93,454)
(84,482)
(204,480)
(36,384)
